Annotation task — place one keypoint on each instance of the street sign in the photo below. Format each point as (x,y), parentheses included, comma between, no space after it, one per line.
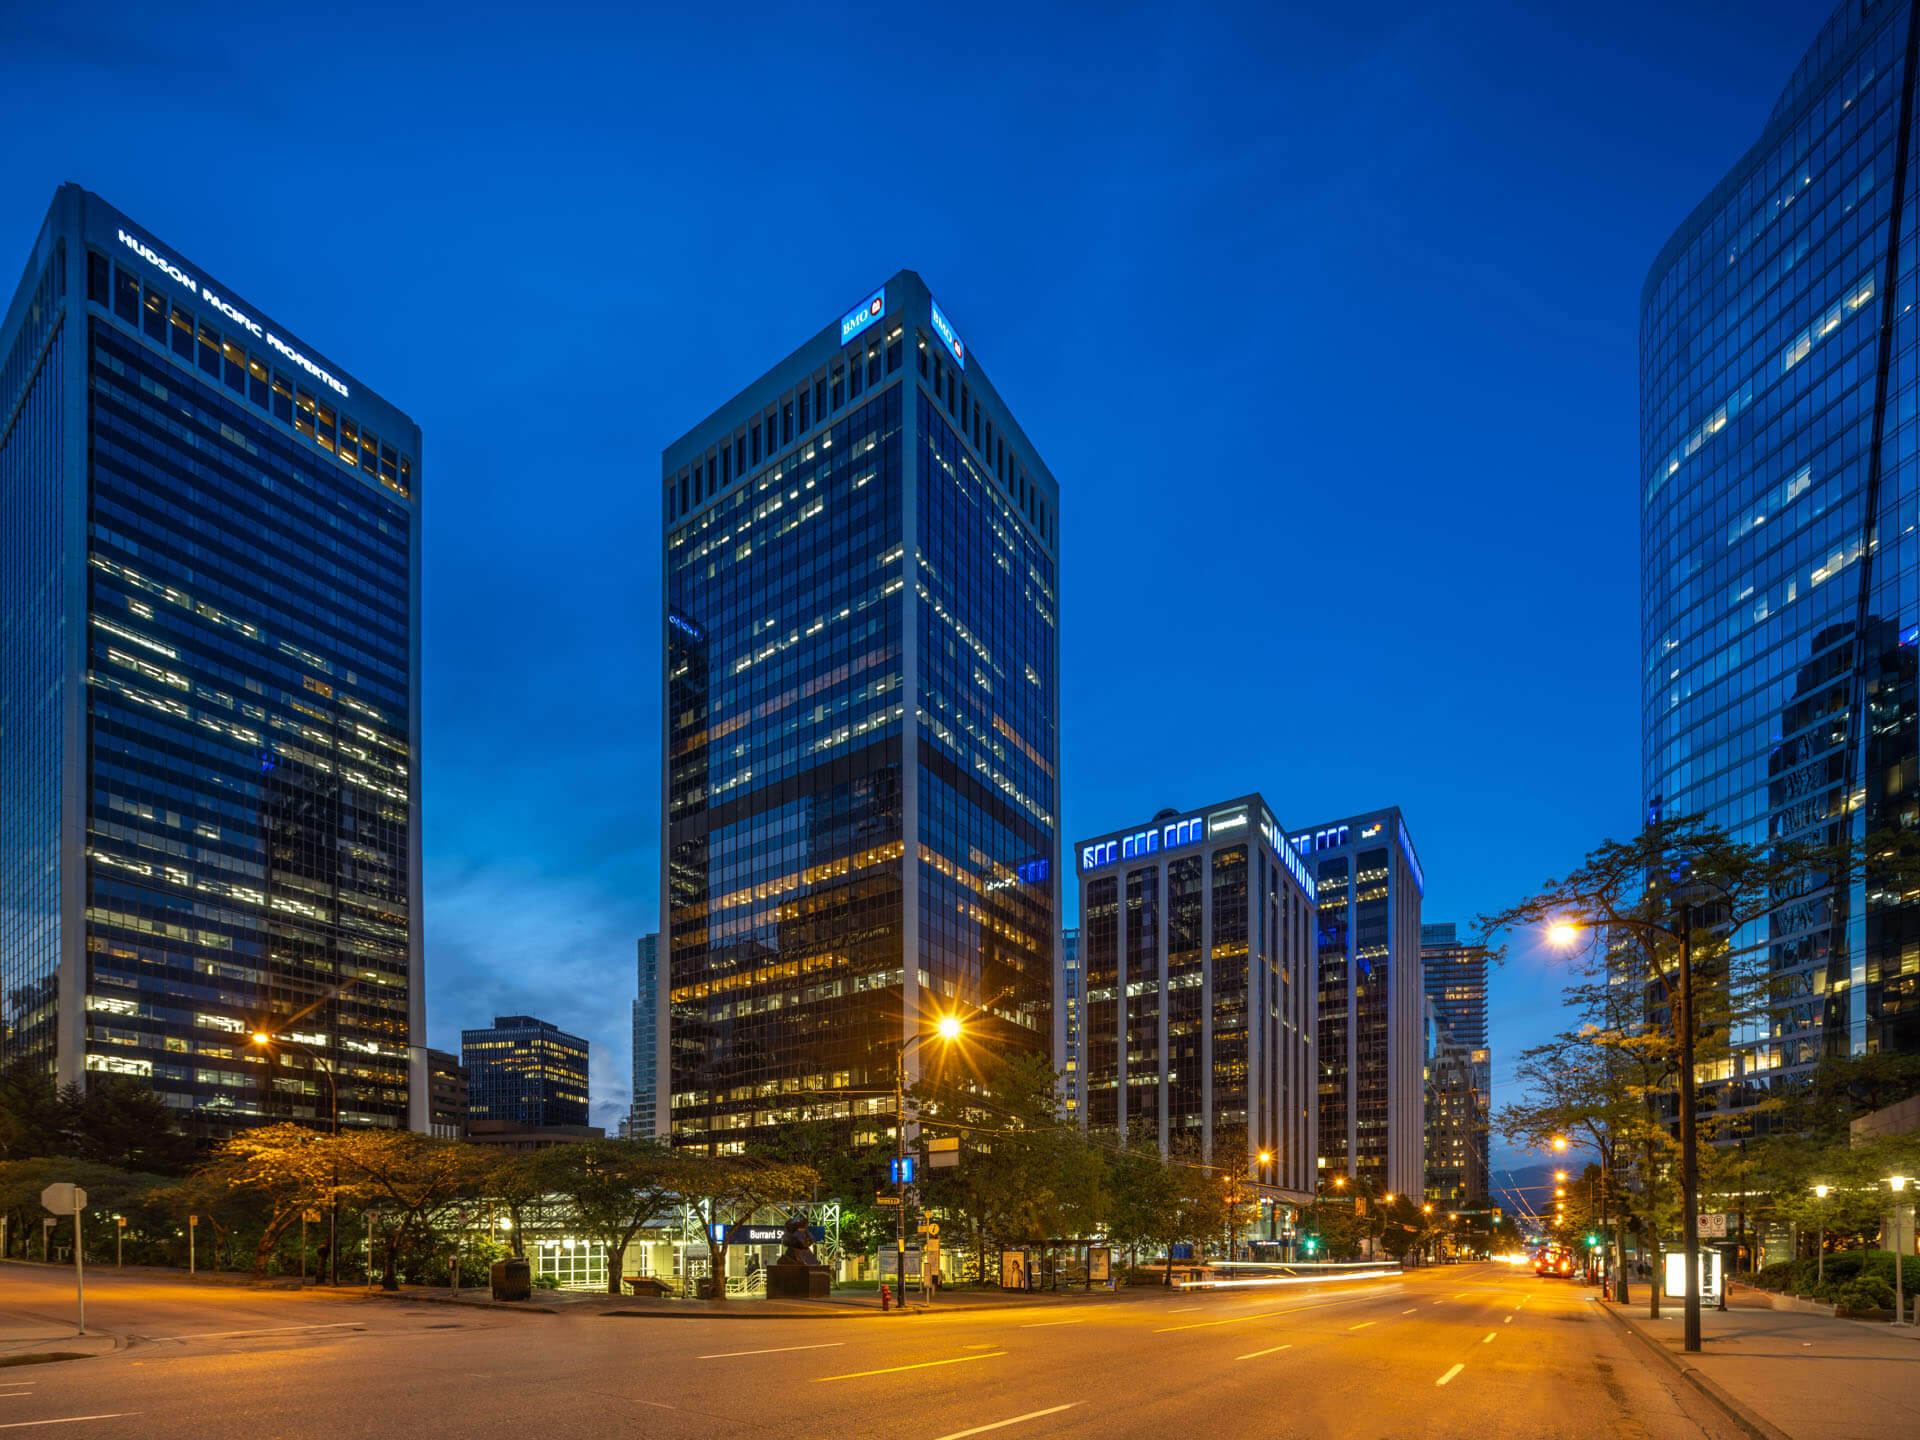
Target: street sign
(886,1199)
(1714,1224)
(64,1198)
(928,1227)
(943,1154)
(312,1217)
(901,1171)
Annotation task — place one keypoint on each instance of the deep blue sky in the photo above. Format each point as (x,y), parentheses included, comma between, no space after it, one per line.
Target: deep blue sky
(1323,316)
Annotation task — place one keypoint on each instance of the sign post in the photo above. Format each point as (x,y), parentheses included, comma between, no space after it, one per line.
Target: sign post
(69,1199)
(119,1242)
(193,1224)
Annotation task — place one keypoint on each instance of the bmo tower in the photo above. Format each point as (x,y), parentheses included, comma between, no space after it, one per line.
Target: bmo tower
(1197,983)
(861,748)
(209,722)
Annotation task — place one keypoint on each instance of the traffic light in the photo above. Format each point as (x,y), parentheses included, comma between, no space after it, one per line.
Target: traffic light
(1313,1244)
(1593,1242)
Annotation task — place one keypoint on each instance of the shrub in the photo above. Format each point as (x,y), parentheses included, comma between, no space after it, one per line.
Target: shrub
(1866,1292)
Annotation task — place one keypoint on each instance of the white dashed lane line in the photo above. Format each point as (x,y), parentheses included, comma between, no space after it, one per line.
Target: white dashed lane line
(1450,1374)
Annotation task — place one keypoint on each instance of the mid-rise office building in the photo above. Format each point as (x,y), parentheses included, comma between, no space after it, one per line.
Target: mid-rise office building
(524,1073)
(1455,974)
(209,729)
(446,1095)
(859,790)
(1197,963)
(1456,1154)
(1371,1052)
(1068,1061)
(642,1112)
(1780,617)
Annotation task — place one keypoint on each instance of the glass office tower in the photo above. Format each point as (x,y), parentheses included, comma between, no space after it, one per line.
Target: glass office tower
(1371,1000)
(1454,972)
(643,1111)
(860,800)
(1196,966)
(1067,1006)
(1780,599)
(209,728)
(524,1072)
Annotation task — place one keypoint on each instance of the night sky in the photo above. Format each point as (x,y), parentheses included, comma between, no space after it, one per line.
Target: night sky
(1325,318)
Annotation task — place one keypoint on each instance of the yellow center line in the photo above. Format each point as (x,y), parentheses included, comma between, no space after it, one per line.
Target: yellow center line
(1490,1335)
(1361,1326)
(1263,1315)
(1258,1353)
(922,1365)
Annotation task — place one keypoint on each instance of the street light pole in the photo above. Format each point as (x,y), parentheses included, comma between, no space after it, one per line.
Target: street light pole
(1820,1193)
(1681,933)
(265,1040)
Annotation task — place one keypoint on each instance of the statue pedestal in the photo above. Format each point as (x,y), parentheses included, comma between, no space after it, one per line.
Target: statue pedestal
(798,1282)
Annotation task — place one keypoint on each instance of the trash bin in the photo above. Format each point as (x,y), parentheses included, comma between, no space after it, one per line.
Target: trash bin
(512,1279)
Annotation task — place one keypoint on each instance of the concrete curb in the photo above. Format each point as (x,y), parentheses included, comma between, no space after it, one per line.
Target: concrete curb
(517,1307)
(1741,1415)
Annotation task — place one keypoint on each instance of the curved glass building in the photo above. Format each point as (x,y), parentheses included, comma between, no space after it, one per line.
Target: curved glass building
(1777,546)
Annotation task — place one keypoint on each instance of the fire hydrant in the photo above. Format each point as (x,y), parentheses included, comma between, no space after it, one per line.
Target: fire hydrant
(886,1297)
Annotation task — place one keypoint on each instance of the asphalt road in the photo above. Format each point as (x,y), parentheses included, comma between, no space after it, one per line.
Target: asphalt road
(1472,1351)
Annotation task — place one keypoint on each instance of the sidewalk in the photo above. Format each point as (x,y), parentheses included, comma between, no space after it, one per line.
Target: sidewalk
(844,1305)
(1787,1375)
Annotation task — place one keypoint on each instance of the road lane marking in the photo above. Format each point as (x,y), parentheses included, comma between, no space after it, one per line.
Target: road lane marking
(1410,1311)
(1258,1353)
(922,1365)
(67,1420)
(1182,1309)
(1002,1424)
(1490,1335)
(1041,1325)
(1361,1326)
(1261,1315)
(1450,1374)
(273,1330)
(1506,1319)
(776,1350)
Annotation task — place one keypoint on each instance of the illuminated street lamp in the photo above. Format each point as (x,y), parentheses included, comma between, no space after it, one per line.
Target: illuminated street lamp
(1900,1243)
(1678,930)
(947,1029)
(1820,1192)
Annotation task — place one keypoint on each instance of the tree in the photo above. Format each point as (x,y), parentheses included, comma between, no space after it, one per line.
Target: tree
(110,1190)
(1684,893)
(726,1190)
(614,1189)
(284,1168)
(407,1179)
(1144,1197)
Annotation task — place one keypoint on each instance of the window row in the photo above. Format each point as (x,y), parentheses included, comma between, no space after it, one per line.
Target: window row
(246,374)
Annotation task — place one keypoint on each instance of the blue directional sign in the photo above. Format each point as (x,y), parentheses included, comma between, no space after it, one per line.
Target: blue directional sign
(901,1171)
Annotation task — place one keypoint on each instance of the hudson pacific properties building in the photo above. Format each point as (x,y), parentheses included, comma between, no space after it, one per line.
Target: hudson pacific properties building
(209,719)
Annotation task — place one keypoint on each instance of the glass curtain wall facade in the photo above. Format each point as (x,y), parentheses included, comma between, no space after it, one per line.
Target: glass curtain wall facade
(1068,1061)
(644,1110)
(1781,603)
(862,738)
(526,1072)
(209,733)
(1197,963)
(1455,974)
(1372,1052)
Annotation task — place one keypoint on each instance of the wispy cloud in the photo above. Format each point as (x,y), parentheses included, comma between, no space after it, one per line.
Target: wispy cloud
(508,937)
